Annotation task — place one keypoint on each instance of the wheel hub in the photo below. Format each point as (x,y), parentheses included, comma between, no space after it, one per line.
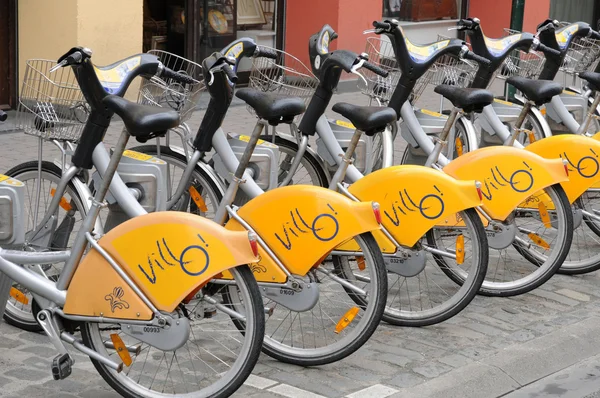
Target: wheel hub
(500,235)
(406,263)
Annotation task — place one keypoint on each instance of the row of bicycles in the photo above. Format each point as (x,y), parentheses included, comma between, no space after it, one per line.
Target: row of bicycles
(171,265)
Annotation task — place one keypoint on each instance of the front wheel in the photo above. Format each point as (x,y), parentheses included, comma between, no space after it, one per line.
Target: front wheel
(352,296)
(214,362)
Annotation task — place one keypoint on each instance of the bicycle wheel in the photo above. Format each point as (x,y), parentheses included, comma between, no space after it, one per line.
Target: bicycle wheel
(206,193)
(71,212)
(309,172)
(214,362)
(429,296)
(341,321)
(534,250)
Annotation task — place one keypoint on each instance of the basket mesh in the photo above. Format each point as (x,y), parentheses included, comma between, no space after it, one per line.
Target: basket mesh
(583,52)
(285,75)
(520,63)
(51,105)
(168,93)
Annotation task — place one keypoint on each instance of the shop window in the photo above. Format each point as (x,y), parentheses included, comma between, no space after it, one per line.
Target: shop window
(422,10)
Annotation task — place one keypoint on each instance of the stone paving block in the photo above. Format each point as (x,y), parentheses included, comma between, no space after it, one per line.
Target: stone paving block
(406,380)
(554,297)
(455,360)
(375,391)
(574,295)
(293,392)
(27,374)
(432,369)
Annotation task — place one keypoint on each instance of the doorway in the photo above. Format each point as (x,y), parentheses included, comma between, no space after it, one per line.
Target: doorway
(8,59)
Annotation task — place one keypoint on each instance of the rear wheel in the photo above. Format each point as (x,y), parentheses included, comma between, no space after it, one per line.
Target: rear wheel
(70,215)
(214,362)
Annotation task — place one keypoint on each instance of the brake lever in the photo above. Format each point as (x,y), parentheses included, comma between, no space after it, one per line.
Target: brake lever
(355,71)
(366,32)
(58,65)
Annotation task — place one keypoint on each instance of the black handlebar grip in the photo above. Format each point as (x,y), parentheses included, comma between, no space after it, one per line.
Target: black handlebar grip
(381,25)
(375,69)
(230,73)
(178,77)
(265,52)
(477,58)
(594,35)
(3,116)
(548,50)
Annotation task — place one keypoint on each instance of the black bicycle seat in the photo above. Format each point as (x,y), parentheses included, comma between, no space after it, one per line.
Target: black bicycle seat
(370,119)
(142,121)
(538,91)
(593,79)
(271,107)
(468,99)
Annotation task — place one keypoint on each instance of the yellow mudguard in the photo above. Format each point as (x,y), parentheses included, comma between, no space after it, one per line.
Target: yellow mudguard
(168,255)
(509,176)
(580,152)
(414,199)
(301,224)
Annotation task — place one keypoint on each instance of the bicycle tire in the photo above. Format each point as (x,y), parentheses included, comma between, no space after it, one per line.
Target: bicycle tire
(12,315)
(226,383)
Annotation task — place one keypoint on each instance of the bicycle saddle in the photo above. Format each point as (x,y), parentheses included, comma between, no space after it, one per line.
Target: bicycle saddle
(538,91)
(142,121)
(593,79)
(370,119)
(273,108)
(468,99)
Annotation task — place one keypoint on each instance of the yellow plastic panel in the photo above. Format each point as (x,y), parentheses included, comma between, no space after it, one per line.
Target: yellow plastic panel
(508,175)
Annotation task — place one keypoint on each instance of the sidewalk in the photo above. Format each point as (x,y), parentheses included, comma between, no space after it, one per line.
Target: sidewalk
(494,347)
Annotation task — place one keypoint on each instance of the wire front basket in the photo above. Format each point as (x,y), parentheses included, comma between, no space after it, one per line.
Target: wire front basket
(582,53)
(168,93)
(446,70)
(51,105)
(286,75)
(381,53)
(520,63)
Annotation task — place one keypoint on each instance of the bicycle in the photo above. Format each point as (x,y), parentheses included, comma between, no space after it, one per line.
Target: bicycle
(125,316)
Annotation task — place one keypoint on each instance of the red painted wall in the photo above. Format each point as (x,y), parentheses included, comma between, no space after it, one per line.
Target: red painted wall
(494,15)
(536,11)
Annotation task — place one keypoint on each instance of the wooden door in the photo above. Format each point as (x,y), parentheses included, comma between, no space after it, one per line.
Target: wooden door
(7,54)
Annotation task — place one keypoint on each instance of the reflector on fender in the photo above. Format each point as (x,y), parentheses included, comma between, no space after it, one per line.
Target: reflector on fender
(121,349)
(531,137)
(360,261)
(535,238)
(19,296)
(346,319)
(197,198)
(544,215)
(460,249)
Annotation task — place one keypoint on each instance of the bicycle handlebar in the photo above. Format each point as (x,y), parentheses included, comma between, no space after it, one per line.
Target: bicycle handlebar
(547,50)
(386,26)
(265,52)
(477,58)
(178,77)
(594,35)
(3,116)
(230,73)
(375,69)
(468,24)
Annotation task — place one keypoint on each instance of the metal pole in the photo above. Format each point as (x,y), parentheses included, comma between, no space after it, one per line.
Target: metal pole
(516,23)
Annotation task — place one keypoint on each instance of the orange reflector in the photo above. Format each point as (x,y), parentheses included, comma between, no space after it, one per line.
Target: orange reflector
(459,146)
(197,199)
(531,137)
(360,261)
(63,202)
(460,249)
(544,215)
(346,319)
(543,111)
(121,349)
(19,296)
(538,240)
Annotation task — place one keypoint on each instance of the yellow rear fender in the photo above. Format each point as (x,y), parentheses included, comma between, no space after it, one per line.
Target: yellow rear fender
(301,224)
(168,255)
(414,199)
(509,176)
(581,154)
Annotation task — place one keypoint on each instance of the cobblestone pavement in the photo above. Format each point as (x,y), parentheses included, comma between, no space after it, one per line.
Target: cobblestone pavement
(492,348)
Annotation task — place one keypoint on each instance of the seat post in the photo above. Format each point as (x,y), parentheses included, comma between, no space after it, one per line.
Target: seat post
(520,120)
(347,160)
(588,118)
(441,140)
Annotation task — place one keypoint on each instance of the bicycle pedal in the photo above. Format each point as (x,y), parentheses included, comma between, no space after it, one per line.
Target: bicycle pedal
(61,366)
